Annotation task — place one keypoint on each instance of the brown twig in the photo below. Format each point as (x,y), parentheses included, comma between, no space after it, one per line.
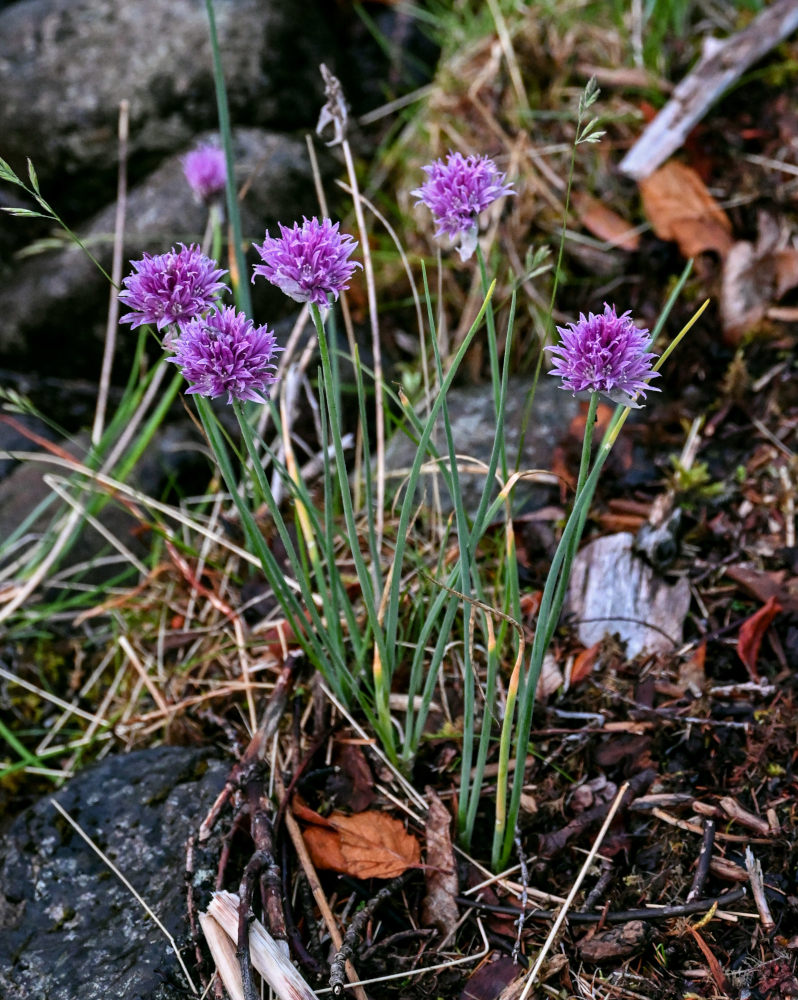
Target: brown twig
(704,859)
(735,811)
(754,869)
(355,931)
(254,752)
(617,916)
(683,824)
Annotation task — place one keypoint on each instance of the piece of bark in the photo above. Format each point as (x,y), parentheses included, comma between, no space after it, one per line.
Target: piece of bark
(612,590)
(439,909)
(712,75)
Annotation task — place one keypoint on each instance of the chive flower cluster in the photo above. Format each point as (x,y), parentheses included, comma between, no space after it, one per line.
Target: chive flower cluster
(171,288)
(457,192)
(220,351)
(605,353)
(224,352)
(308,262)
(205,170)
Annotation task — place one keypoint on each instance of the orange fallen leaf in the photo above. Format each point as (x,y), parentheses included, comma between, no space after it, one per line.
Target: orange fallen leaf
(752,632)
(584,663)
(369,844)
(530,603)
(604,223)
(680,208)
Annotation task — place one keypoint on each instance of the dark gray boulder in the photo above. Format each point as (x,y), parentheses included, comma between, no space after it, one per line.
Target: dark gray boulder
(69,928)
(60,298)
(66,64)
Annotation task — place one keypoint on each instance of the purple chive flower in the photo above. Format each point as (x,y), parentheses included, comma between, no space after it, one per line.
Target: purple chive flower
(226,353)
(173,287)
(457,191)
(308,262)
(205,170)
(607,354)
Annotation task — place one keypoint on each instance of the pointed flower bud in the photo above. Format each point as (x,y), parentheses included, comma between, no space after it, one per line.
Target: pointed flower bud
(205,169)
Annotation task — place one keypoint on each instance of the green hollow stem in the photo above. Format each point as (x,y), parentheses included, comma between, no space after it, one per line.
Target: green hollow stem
(382,662)
(548,615)
(240,284)
(306,623)
(392,611)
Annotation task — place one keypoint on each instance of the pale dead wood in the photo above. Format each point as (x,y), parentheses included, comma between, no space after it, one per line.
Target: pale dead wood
(757,883)
(712,75)
(267,957)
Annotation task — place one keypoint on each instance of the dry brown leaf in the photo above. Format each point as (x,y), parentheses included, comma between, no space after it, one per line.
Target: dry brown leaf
(755,276)
(439,908)
(603,223)
(584,663)
(752,632)
(764,584)
(370,844)
(680,208)
(491,978)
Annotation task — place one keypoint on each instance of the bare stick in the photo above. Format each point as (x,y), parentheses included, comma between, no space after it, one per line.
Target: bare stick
(334,112)
(754,869)
(708,79)
(618,916)
(116,276)
(704,859)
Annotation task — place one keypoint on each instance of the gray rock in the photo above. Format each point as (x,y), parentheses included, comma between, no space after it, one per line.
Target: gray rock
(613,591)
(473,427)
(61,297)
(66,64)
(69,929)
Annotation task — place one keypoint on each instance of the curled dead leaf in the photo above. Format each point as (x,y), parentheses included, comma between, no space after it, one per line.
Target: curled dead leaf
(680,208)
(752,632)
(583,663)
(755,276)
